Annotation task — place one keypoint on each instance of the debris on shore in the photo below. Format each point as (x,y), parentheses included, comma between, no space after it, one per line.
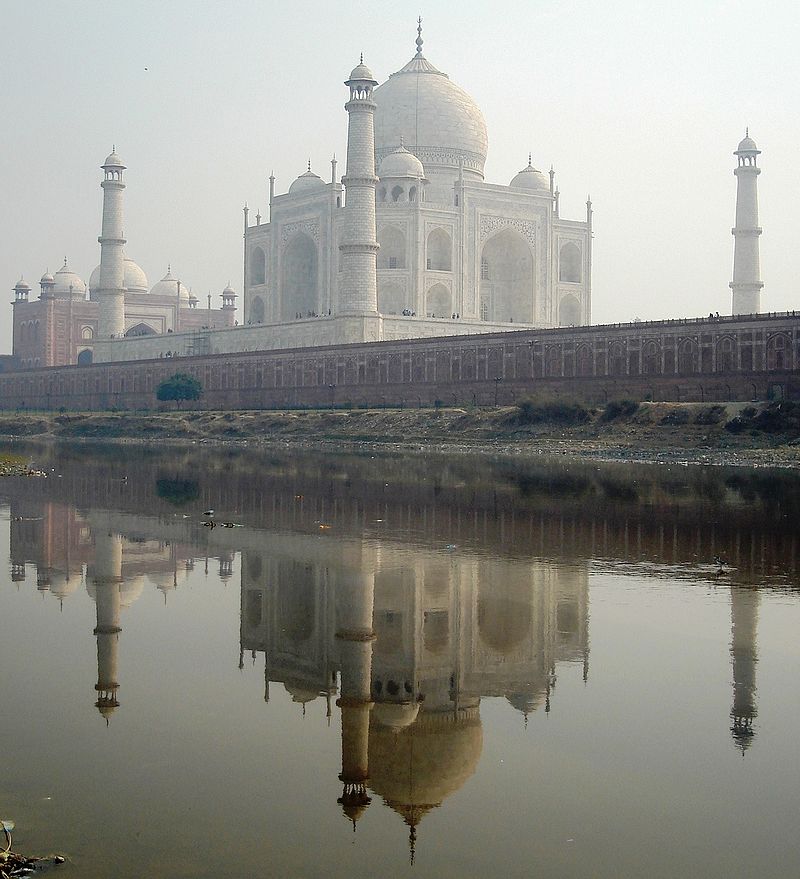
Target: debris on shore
(15,865)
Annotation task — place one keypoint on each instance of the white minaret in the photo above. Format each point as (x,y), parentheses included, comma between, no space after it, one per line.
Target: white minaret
(746,283)
(111,289)
(358,291)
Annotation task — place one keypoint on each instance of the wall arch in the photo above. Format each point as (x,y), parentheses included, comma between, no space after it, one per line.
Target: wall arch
(438,301)
(506,291)
(779,352)
(258,266)
(140,329)
(439,252)
(687,357)
(85,357)
(726,355)
(569,311)
(299,277)
(569,263)
(392,253)
(651,358)
(257,310)
(391,298)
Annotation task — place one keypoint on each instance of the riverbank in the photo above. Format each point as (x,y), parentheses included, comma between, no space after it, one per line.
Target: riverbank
(718,433)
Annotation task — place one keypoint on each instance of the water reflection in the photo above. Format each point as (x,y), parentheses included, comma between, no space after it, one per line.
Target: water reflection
(401,592)
(415,642)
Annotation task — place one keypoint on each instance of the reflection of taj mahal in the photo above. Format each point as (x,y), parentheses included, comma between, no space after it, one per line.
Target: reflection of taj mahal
(414,644)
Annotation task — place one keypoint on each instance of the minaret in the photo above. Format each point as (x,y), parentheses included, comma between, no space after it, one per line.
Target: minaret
(107,576)
(111,289)
(744,656)
(358,290)
(746,284)
(355,594)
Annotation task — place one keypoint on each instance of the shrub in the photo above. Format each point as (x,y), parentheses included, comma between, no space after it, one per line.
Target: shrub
(676,416)
(619,409)
(710,415)
(179,387)
(533,412)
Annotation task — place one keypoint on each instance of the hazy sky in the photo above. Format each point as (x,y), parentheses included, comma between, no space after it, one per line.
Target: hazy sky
(639,104)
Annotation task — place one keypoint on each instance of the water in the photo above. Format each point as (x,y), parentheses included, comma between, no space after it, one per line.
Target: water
(561,681)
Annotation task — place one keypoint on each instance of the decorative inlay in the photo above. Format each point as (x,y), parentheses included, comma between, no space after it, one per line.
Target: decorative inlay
(309,227)
(527,228)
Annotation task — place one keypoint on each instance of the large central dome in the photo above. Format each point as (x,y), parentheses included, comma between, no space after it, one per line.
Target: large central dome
(433,117)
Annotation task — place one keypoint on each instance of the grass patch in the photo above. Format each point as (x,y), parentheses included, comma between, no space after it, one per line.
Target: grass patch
(552,411)
(619,409)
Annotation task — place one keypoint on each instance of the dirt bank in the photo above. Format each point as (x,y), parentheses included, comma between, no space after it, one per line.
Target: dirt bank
(734,433)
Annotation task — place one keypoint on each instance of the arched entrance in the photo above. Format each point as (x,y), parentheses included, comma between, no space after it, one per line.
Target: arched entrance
(507,279)
(85,357)
(299,278)
(256,310)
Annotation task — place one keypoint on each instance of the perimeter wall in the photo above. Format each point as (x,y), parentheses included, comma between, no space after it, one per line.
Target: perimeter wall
(728,358)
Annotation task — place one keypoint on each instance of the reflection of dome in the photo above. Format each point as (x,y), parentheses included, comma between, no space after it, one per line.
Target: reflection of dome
(439,120)
(300,692)
(129,590)
(528,701)
(306,182)
(416,768)
(395,716)
(530,178)
(64,279)
(401,163)
(64,583)
(135,280)
(168,286)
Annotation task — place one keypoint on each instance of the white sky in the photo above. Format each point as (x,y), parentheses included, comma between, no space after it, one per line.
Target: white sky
(640,104)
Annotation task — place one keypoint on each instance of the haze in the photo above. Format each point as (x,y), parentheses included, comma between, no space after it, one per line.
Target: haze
(639,105)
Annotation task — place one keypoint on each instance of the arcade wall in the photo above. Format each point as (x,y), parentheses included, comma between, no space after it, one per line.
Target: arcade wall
(728,358)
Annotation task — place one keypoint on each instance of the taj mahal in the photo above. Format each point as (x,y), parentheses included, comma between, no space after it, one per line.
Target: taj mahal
(411,242)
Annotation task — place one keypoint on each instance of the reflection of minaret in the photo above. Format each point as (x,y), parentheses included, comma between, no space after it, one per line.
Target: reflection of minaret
(744,622)
(354,604)
(107,577)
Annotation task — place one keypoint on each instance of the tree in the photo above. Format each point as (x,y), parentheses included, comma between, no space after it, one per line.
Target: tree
(179,387)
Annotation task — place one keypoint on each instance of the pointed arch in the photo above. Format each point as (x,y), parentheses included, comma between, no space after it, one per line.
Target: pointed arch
(439,251)
(569,311)
(507,278)
(258,266)
(438,301)
(392,298)
(299,277)
(392,253)
(257,310)
(569,263)
(141,329)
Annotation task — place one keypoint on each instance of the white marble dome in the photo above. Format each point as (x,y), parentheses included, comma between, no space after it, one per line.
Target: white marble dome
(306,182)
(361,73)
(168,286)
(531,178)
(401,163)
(113,160)
(438,120)
(65,278)
(747,145)
(135,280)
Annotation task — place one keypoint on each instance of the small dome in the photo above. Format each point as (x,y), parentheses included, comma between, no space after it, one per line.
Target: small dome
(229,291)
(401,163)
(361,72)
(22,284)
(113,160)
(134,280)
(65,278)
(46,278)
(747,145)
(530,178)
(168,286)
(306,182)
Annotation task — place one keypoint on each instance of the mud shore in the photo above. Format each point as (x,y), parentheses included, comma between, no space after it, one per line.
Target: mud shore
(719,434)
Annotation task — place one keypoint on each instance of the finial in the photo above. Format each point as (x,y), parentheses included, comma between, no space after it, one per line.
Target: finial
(169,268)
(402,142)
(113,147)
(530,159)
(65,262)
(361,59)
(419,37)
(747,131)
(309,165)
